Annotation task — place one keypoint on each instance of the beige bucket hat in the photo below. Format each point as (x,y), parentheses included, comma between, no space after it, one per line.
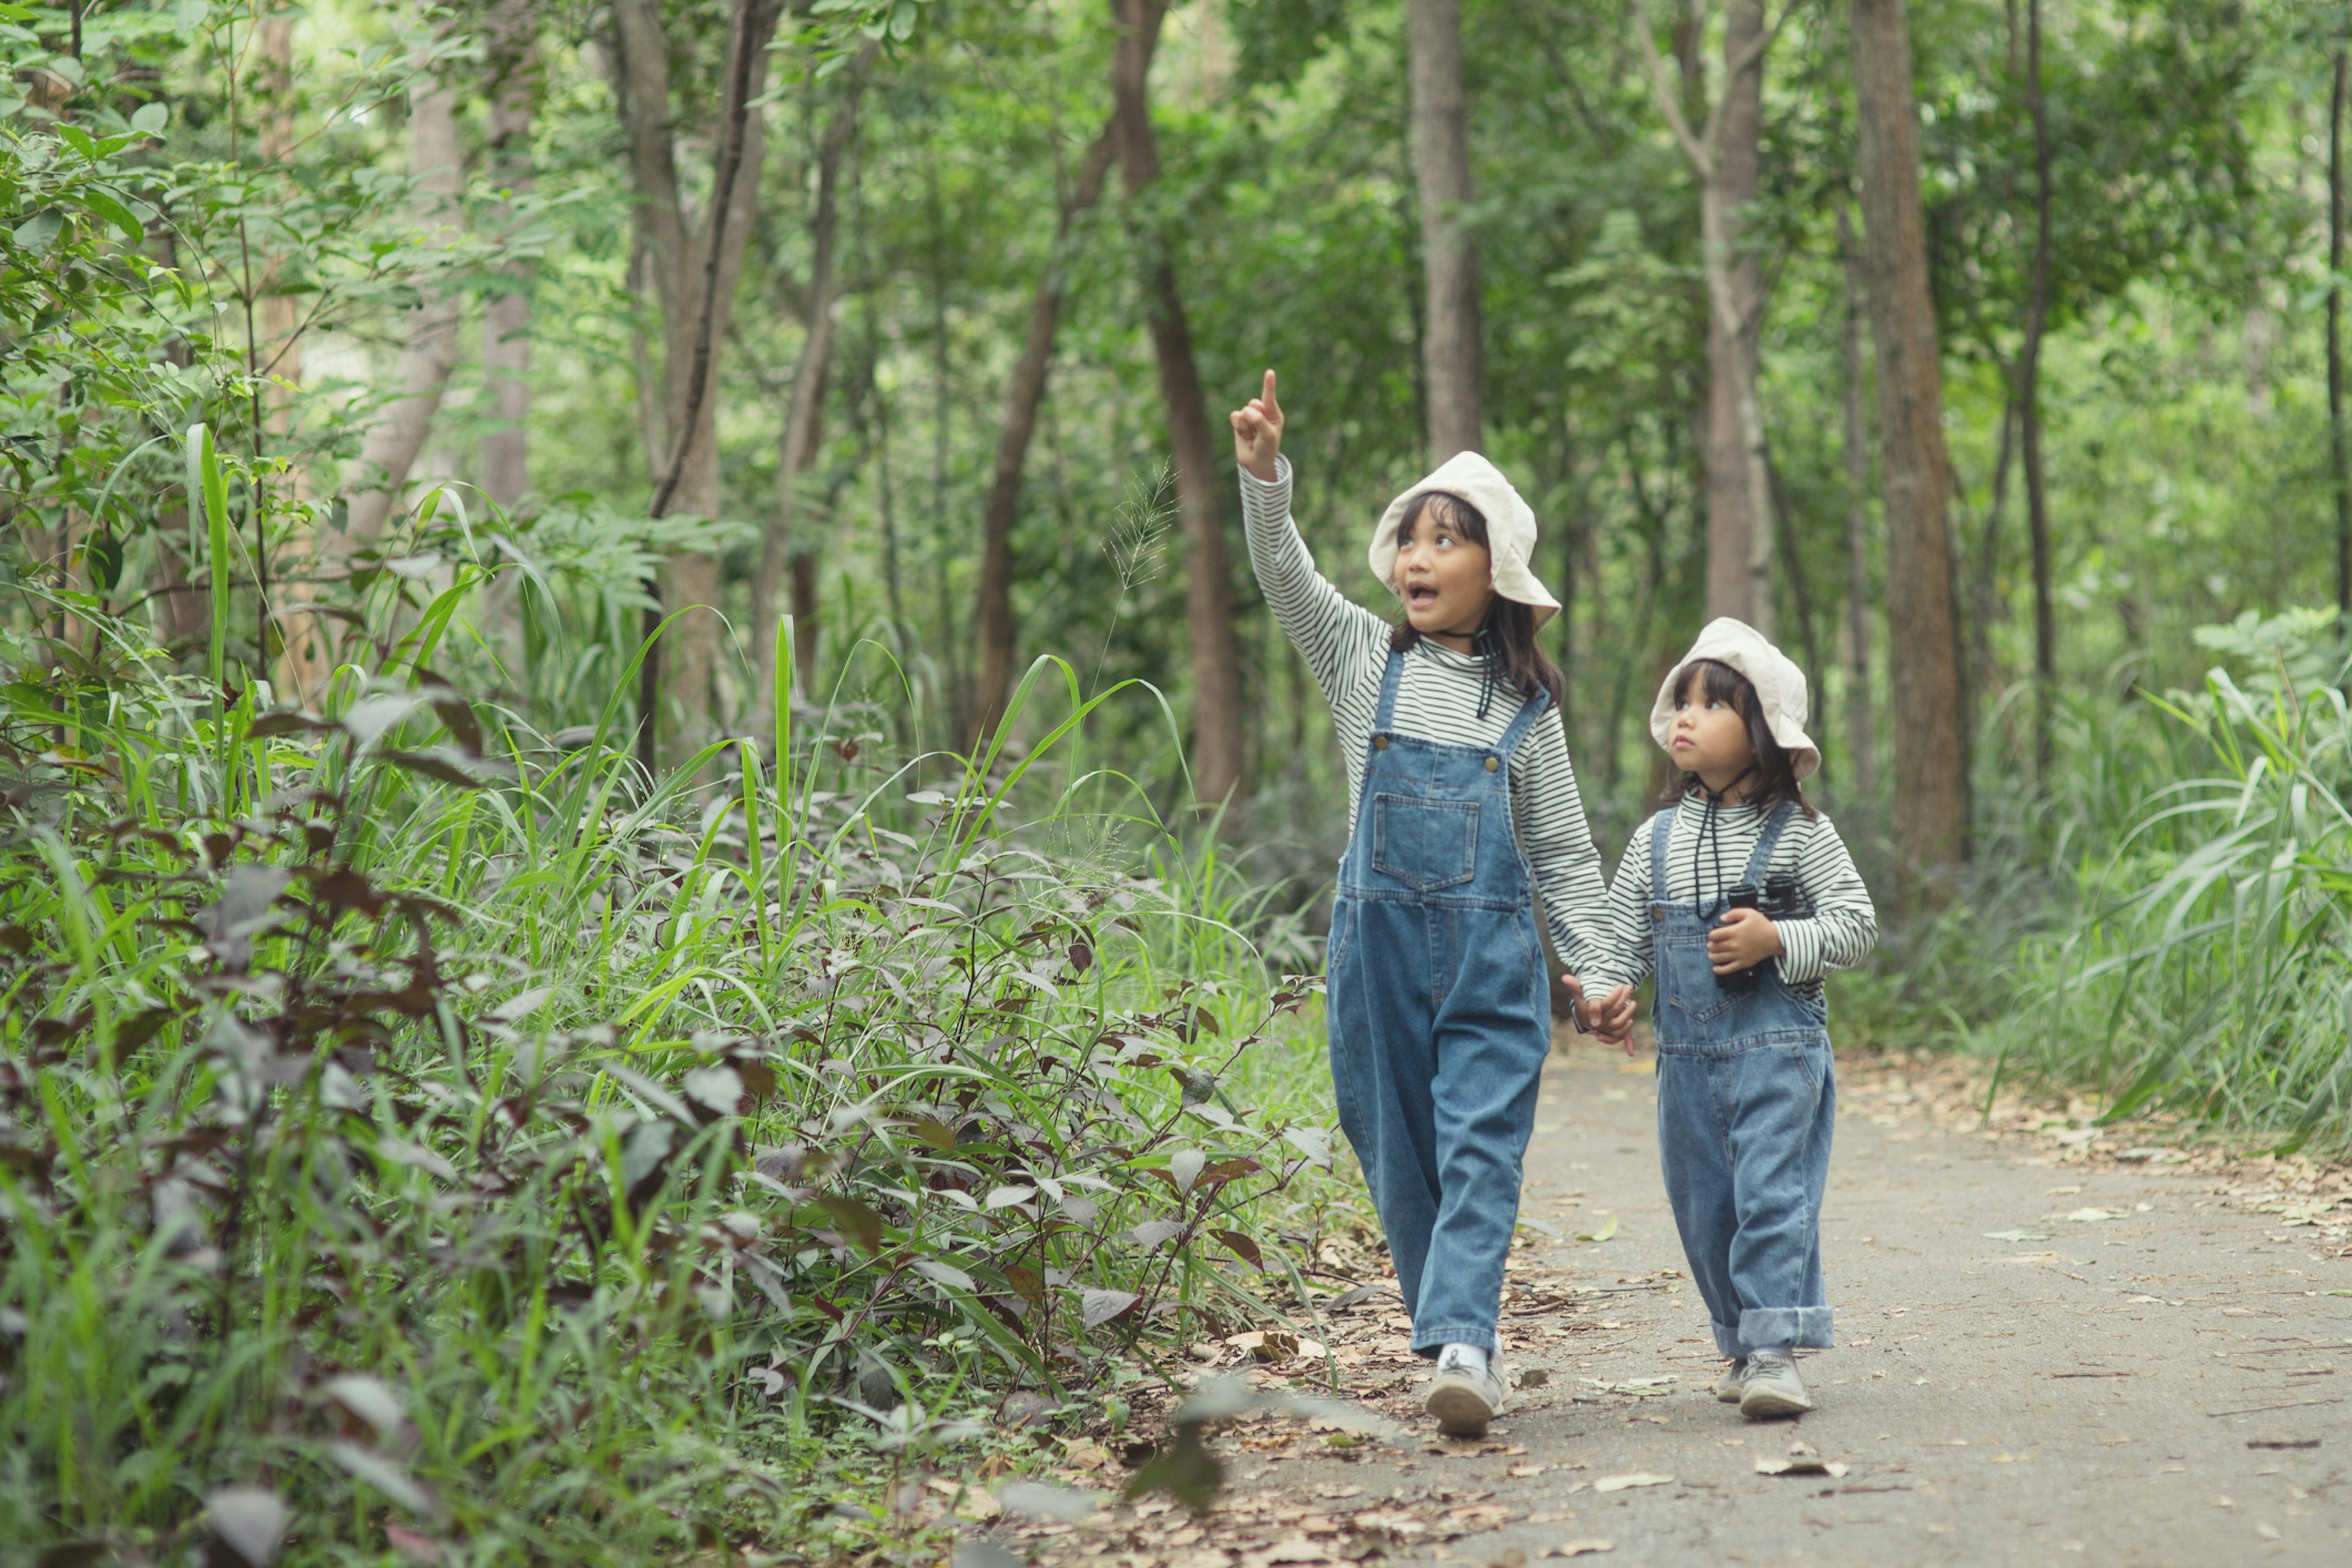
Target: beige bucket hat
(1779,687)
(1510,529)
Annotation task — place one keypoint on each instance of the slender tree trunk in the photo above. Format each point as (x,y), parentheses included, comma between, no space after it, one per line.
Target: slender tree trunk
(955,696)
(1450,345)
(2029,407)
(1861,732)
(506,319)
(436,165)
(694,266)
(999,630)
(1930,788)
(1733,534)
(2339,448)
(796,449)
(304,656)
(1209,615)
(1724,155)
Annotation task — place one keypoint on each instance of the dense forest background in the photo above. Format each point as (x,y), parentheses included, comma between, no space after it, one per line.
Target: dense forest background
(658,869)
(469,246)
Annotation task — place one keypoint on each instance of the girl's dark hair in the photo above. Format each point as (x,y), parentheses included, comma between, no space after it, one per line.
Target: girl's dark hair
(1774,777)
(1507,638)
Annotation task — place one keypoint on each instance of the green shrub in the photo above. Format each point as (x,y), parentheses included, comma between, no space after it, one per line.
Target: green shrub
(412,1131)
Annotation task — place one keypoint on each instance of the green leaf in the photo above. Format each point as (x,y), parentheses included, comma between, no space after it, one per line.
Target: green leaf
(115,213)
(1185,1470)
(78,140)
(1603,1234)
(151,119)
(41,231)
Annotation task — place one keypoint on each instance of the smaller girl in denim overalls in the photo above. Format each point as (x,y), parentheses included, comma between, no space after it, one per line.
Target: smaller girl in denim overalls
(1741,897)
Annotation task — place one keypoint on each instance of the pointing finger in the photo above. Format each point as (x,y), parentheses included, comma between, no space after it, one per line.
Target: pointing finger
(1272,406)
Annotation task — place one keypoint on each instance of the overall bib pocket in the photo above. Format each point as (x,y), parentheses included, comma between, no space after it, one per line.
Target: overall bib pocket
(1425,844)
(1690,978)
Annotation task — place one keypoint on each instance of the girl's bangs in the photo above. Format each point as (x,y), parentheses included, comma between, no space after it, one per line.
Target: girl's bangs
(1452,511)
(1718,682)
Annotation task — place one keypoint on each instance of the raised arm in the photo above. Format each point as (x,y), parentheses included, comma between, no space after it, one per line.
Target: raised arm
(1336,636)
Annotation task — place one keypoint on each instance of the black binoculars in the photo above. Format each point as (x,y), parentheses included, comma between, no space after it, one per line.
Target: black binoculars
(1779,898)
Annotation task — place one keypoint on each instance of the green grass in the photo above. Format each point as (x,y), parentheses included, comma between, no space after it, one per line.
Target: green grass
(460,1139)
(2164,923)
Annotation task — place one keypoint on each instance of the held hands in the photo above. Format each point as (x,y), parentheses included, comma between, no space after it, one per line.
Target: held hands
(1741,940)
(1610,1017)
(1257,433)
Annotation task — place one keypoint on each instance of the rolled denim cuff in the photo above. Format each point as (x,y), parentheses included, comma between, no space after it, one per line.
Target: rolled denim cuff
(1809,1326)
(1726,1342)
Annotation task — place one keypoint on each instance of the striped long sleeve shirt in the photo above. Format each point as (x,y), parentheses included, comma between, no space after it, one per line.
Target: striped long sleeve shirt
(1704,859)
(1346,648)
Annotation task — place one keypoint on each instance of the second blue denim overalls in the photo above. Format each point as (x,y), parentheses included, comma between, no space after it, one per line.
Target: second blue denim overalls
(1439,1014)
(1745,1098)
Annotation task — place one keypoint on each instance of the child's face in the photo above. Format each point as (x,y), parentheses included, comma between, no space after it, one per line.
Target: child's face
(1710,737)
(1447,581)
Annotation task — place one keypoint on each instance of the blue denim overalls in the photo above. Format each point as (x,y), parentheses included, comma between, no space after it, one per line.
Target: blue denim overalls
(1439,1014)
(1746,1097)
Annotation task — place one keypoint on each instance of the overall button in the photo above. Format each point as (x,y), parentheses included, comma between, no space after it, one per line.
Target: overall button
(1493,763)
(1379,743)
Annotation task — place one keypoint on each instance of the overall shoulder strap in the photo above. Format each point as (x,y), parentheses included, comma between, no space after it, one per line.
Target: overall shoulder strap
(1390,680)
(1767,841)
(1661,827)
(1529,711)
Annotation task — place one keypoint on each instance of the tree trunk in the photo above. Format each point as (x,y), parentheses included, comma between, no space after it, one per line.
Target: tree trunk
(1450,345)
(506,319)
(956,697)
(1923,664)
(1024,397)
(1209,615)
(1724,155)
(1733,534)
(1861,733)
(796,448)
(2029,410)
(2338,450)
(694,266)
(436,165)
(278,357)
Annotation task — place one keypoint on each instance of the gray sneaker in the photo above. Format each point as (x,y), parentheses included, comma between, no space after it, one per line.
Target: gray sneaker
(1769,1386)
(1726,1387)
(1463,1401)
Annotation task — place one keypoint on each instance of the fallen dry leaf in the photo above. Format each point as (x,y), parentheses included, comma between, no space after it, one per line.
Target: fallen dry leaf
(1803,1459)
(1523,1472)
(1638,1479)
(1579,1548)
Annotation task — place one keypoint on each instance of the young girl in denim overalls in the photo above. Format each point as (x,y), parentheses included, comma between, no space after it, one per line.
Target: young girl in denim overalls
(1463,806)
(1741,898)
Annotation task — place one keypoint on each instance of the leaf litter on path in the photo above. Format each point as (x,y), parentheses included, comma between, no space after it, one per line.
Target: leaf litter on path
(1803,1459)
(1581,1548)
(1638,1479)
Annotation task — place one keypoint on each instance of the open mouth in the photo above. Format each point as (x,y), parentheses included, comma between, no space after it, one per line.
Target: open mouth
(1420,597)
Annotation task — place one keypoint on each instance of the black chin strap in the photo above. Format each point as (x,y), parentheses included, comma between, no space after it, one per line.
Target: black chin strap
(1485,645)
(1709,832)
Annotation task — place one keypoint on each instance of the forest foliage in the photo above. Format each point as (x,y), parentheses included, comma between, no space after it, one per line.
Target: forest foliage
(619,913)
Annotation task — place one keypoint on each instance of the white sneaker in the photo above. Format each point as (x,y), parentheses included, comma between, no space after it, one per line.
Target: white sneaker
(1462,1400)
(1769,1386)
(1726,1387)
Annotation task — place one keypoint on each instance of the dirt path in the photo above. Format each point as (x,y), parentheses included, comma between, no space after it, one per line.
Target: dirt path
(2019,1380)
